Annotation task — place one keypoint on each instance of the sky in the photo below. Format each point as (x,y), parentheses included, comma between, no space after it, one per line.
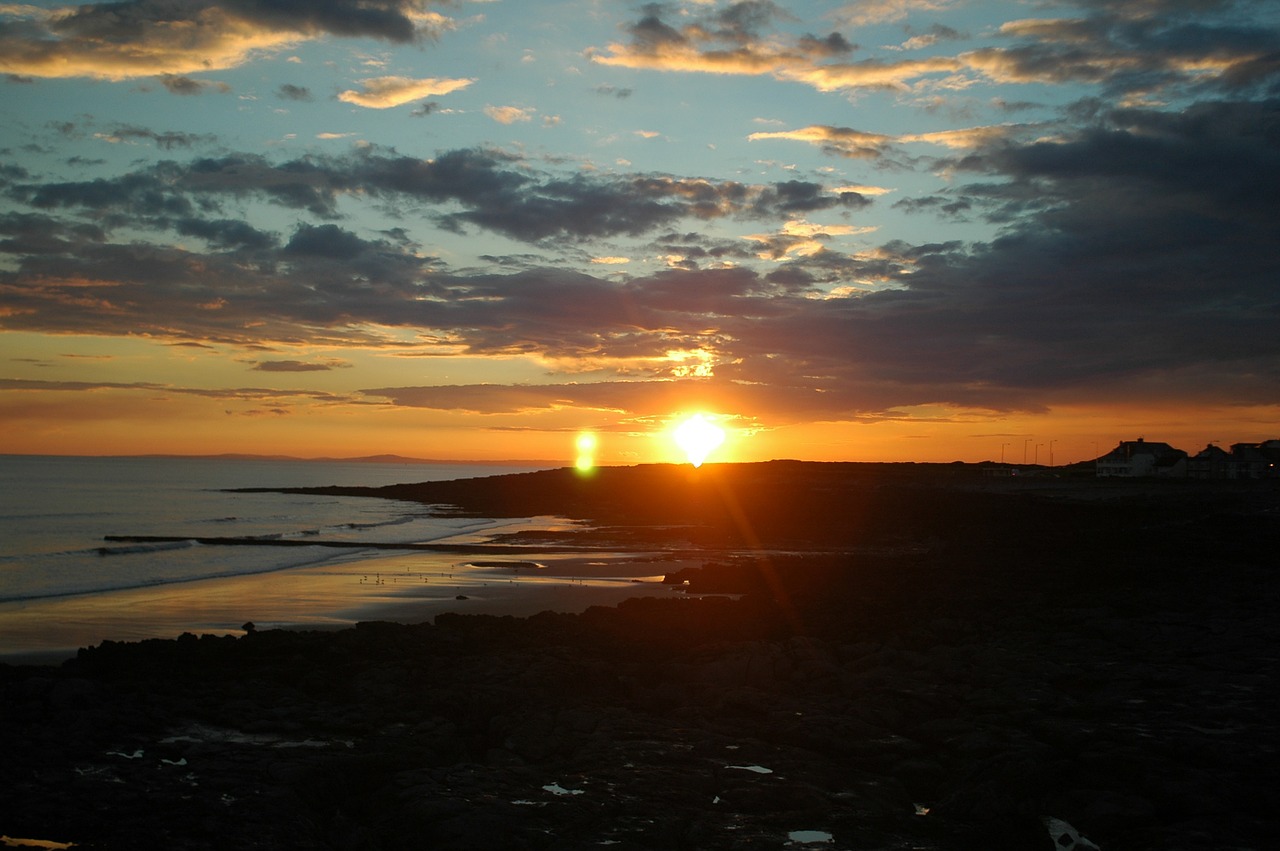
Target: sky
(898,230)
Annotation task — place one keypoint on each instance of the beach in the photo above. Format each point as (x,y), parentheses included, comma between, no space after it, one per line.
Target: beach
(77,568)
(947,664)
(405,589)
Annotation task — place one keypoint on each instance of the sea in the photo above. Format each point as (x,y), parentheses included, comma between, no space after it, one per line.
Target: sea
(57,511)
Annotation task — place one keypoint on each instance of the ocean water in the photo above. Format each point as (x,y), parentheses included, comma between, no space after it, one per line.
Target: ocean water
(56,511)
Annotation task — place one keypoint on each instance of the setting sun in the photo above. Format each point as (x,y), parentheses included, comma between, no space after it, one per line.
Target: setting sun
(698,437)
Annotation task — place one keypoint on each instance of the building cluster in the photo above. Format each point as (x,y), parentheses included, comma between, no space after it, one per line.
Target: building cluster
(1134,458)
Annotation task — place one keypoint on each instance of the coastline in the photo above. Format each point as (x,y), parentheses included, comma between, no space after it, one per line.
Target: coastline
(941,667)
(406,588)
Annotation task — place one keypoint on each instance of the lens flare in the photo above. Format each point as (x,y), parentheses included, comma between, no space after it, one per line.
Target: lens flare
(698,437)
(586,446)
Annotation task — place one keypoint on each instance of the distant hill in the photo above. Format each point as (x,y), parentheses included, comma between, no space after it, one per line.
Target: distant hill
(366,459)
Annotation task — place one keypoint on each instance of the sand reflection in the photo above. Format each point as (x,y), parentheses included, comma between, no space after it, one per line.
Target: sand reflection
(408,588)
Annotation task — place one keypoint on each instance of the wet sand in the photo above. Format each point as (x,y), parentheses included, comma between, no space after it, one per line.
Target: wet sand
(410,588)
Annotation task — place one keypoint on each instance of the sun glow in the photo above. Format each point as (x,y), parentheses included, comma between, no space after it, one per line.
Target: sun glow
(698,437)
(586,446)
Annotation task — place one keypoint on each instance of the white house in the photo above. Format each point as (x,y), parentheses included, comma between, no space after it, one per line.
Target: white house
(1135,458)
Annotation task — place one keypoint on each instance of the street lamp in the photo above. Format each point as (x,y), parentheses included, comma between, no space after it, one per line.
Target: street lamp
(1002,446)
(1024,448)
(1055,440)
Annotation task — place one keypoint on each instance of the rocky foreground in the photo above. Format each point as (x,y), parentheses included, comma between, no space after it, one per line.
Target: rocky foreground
(904,661)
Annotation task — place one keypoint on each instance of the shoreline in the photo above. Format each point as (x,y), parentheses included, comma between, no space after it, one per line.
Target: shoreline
(407,587)
(940,668)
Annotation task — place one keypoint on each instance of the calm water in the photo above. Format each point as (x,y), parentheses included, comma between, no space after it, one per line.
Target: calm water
(54,512)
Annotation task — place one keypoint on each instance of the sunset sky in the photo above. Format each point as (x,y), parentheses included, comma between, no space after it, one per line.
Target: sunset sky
(895,230)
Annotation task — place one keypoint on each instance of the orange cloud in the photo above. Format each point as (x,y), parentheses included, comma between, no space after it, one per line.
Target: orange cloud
(209,40)
(871,74)
(118,41)
(801,239)
(757,60)
(384,92)
(844,141)
(965,137)
(866,12)
(508,114)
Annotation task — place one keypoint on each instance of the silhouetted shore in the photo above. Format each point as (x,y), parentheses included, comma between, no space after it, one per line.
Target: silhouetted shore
(898,658)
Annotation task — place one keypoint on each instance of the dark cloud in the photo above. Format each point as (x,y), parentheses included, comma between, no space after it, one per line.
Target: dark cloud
(166,140)
(1149,265)
(940,32)
(796,197)
(174,38)
(737,40)
(584,206)
(131,20)
(181,85)
(328,241)
(613,91)
(951,205)
(226,233)
(865,400)
(385,19)
(494,190)
(146,194)
(73,386)
(288,91)
(226,394)
(1152,246)
(10,173)
(304,184)
(1146,9)
(1122,272)
(695,249)
(1200,165)
(650,34)
(1015,106)
(458,189)
(829,46)
(742,21)
(511,399)
(1141,47)
(297,366)
(28,233)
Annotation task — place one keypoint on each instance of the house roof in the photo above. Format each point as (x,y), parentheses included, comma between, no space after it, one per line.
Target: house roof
(1128,448)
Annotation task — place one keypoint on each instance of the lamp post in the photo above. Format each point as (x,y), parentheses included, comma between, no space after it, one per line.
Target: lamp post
(1024,449)
(1002,446)
(1055,440)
